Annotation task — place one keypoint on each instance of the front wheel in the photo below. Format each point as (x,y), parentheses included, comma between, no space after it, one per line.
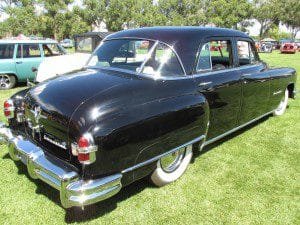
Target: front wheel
(282,105)
(172,166)
(7,81)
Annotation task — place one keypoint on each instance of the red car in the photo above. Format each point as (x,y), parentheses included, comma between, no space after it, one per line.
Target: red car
(288,48)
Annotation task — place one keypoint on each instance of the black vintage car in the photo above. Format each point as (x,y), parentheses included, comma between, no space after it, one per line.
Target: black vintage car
(146,101)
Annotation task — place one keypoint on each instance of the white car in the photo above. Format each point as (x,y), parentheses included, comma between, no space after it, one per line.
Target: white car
(58,65)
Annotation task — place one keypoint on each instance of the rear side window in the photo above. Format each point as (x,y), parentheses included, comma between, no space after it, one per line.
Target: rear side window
(164,63)
(7,51)
(246,53)
(28,51)
(215,55)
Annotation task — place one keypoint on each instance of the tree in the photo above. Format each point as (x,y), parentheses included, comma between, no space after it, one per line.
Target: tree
(267,13)
(228,13)
(290,15)
(54,14)
(22,18)
(184,12)
(73,24)
(93,12)
(148,14)
(121,14)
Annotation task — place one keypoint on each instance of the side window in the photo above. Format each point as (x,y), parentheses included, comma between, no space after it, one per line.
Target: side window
(7,51)
(204,62)
(246,53)
(31,51)
(164,62)
(215,55)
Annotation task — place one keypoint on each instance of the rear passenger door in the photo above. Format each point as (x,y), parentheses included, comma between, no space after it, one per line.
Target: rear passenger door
(28,57)
(219,81)
(255,82)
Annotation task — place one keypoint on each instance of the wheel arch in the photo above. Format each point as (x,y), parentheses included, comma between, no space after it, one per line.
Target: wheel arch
(291,89)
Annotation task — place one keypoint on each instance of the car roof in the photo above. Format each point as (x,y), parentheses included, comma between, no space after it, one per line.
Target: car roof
(185,40)
(11,41)
(167,33)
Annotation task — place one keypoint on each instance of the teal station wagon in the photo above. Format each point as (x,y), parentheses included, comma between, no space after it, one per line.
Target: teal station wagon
(19,59)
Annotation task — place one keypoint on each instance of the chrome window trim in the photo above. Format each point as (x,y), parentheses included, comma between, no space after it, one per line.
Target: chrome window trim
(145,39)
(147,58)
(205,73)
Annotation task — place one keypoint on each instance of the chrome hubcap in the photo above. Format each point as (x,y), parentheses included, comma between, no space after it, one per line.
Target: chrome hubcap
(4,81)
(171,162)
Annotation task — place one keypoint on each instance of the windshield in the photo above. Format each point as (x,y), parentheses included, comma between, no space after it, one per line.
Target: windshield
(142,56)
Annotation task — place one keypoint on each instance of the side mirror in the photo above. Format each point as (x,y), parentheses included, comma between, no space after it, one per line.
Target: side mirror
(34,69)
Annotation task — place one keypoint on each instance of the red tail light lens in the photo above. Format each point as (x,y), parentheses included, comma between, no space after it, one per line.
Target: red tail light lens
(9,109)
(83,142)
(85,150)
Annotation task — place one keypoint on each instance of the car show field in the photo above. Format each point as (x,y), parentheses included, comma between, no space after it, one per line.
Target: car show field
(252,177)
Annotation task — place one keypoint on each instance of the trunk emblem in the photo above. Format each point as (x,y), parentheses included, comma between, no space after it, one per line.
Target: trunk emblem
(37,128)
(37,114)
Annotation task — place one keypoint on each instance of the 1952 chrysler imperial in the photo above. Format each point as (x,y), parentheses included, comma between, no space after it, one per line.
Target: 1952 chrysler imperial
(146,100)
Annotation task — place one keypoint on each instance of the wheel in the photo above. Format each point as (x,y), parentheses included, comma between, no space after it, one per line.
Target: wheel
(7,81)
(172,166)
(282,105)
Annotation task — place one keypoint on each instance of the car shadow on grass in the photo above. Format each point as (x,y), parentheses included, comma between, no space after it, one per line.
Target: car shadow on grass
(97,210)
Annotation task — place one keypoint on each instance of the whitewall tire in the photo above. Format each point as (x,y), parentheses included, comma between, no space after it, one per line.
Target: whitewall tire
(282,105)
(172,166)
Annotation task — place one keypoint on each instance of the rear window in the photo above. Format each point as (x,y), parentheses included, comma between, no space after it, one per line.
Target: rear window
(6,51)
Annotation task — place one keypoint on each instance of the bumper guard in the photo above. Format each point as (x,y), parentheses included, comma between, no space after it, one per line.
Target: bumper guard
(74,191)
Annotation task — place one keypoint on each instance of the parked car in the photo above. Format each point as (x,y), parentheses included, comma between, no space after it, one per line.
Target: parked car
(265,47)
(19,59)
(298,45)
(289,47)
(134,112)
(67,43)
(84,46)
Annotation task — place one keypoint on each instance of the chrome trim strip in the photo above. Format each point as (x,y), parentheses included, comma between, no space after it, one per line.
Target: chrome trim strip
(149,161)
(74,191)
(277,92)
(149,54)
(234,130)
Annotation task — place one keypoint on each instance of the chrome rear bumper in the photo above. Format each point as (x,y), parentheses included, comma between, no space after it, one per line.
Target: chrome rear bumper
(74,191)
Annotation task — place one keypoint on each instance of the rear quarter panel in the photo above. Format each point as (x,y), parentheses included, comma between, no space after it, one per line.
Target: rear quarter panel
(280,78)
(144,121)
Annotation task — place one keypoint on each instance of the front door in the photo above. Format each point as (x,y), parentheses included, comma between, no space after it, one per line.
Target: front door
(28,57)
(255,82)
(219,81)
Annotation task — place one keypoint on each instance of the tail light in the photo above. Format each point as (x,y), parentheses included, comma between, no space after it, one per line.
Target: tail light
(9,109)
(85,150)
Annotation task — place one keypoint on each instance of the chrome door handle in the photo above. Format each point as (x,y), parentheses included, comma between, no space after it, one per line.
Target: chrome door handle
(19,62)
(204,84)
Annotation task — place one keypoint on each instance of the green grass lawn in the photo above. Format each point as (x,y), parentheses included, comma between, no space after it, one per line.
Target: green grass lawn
(251,177)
